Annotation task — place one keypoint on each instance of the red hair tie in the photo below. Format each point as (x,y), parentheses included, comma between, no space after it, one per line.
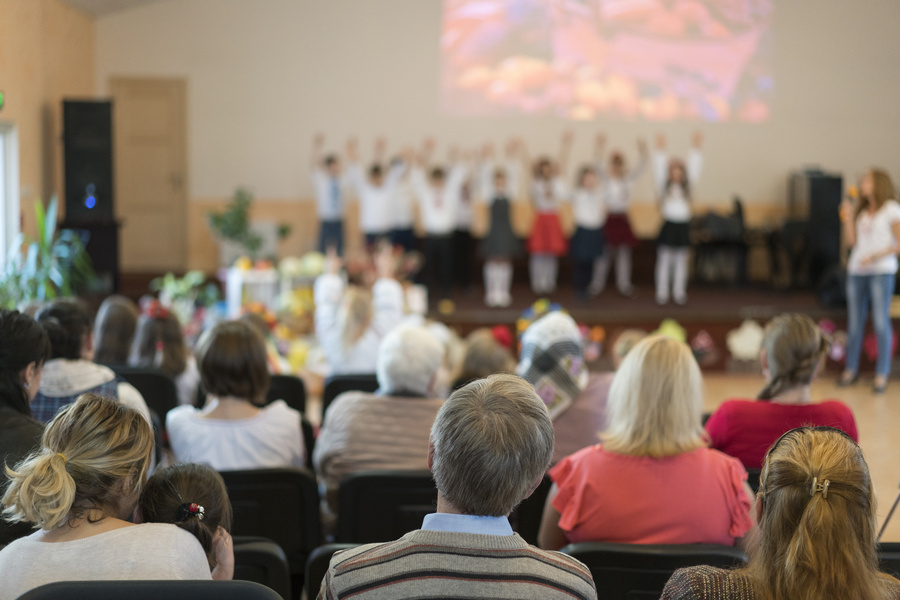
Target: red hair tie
(502,336)
(155,310)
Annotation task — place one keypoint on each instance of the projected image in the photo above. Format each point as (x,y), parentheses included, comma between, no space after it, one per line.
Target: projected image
(658,60)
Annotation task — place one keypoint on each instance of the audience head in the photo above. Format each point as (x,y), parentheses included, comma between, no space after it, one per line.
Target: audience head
(793,349)
(114,330)
(491,444)
(552,360)
(484,356)
(409,358)
(159,342)
(192,497)
(816,514)
(92,464)
(24,347)
(655,401)
(875,189)
(231,358)
(68,325)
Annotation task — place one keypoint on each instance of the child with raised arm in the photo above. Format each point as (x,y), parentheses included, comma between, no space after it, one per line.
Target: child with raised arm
(674,180)
(375,191)
(587,244)
(616,181)
(330,184)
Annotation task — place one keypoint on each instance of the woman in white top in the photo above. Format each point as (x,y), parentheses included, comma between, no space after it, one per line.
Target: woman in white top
(80,489)
(872,230)
(674,180)
(234,431)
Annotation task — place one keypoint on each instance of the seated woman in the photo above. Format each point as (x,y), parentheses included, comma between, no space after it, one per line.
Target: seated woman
(70,371)
(80,489)
(793,351)
(652,480)
(234,431)
(114,330)
(816,539)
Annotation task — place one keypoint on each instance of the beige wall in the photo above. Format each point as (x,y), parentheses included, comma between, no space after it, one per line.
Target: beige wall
(264,76)
(46,54)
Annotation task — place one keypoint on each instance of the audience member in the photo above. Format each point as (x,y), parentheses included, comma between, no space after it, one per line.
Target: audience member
(114,330)
(387,429)
(24,348)
(234,431)
(80,489)
(489,447)
(816,538)
(652,480)
(793,352)
(194,498)
(159,344)
(70,371)
(485,354)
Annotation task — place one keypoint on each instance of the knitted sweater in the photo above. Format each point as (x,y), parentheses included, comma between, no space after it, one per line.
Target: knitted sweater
(441,564)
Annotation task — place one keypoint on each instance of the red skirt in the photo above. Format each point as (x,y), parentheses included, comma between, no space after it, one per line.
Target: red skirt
(618,231)
(547,236)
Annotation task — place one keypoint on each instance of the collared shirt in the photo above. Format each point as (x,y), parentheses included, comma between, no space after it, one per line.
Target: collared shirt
(467,524)
(329,194)
(439,206)
(375,200)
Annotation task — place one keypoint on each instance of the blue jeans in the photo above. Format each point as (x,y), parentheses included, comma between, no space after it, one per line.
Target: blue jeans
(861,291)
(331,233)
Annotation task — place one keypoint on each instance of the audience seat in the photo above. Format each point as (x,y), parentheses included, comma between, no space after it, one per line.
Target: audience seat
(640,571)
(380,506)
(309,440)
(338,384)
(157,388)
(151,590)
(263,561)
(889,558)
(289,388)
(317,566)
(526,518)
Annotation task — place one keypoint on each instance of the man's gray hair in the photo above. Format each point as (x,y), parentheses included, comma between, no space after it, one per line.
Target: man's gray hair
(409,358)
(493,440)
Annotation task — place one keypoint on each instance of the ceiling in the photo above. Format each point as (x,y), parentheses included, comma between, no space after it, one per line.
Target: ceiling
(98,8)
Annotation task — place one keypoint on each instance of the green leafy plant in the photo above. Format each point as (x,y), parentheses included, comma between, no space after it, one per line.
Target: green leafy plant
(233,224)
(53,265)
(185,294)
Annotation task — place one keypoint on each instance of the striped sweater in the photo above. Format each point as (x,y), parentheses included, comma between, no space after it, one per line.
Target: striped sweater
(449,565)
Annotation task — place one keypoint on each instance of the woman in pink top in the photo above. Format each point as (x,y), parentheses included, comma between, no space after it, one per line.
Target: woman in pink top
(793,351)
(652,480)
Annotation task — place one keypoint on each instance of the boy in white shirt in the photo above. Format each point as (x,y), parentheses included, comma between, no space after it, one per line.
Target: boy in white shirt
(374,192)
(330,184)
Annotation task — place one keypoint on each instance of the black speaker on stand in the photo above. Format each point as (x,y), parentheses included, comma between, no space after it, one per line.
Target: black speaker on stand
(88,160)
(815,197)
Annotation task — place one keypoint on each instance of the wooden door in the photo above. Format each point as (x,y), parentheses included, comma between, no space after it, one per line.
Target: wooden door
(150,172)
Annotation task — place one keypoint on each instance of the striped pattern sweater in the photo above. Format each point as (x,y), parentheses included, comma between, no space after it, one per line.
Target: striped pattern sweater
(448,565)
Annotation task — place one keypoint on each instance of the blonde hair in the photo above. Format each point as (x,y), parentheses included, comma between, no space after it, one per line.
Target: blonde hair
(882,191)
(811,546)
(93,452)
(655,401)
(794,346)
(354,315)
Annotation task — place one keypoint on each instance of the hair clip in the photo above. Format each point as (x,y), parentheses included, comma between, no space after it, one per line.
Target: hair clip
(188,510)
(819,487)
(155,310)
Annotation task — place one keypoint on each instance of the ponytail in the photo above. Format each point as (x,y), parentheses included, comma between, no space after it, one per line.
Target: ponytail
(41,490)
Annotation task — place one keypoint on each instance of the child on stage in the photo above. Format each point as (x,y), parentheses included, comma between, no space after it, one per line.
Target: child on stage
(374,192)
(674,180)
(587,244)
(330,186)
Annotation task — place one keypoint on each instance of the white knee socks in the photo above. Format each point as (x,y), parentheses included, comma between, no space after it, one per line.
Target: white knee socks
(671,265)
(543,269)
(497,282)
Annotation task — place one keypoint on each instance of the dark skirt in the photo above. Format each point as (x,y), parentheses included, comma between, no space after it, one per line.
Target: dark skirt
(501,240)
(677,235)
(618,231)
(587,244)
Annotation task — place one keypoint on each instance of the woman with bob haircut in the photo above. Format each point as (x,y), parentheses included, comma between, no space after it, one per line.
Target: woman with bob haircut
(793,352)
(114,329)
(816,529)
(235,430)
(80,489)
(651,480)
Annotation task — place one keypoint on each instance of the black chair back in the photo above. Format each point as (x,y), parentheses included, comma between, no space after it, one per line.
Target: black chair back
(309,440)
(338,384)
(157,388)
(639,571)
(526,518)
(753,479)
(288,388)
(279,504)
(317,566)
(889,558)
(151,590)
(380,506)
(263,561)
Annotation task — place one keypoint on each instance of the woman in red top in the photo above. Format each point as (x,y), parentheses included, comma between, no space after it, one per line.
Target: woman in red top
(793,351)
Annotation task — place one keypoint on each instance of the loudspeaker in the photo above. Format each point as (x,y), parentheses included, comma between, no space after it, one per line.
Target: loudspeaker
(88,156)
(816,196)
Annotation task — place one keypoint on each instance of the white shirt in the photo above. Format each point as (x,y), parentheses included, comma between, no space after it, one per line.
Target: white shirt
(187,382)
(439,206)
(270,439)
(617,190)
(330,193)
(588,209)
(488,190)
(375,200)
(675,205)
(148,551)
(874,234)
(63,377)
(401,205)
(548,194)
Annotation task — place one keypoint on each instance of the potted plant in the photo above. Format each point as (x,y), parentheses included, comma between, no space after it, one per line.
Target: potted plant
(240,237)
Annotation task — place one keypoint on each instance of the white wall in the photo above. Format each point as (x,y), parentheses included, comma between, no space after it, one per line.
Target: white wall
(264,75)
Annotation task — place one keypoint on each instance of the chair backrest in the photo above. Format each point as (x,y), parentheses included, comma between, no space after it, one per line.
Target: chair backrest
(157,388)
(381,506)
(338,384)
(639,571)
(526,518)
(263,561)
(889,558)
(317,566)
(753,479)
(309,440)
(279,504)
(151,590)
(288,388)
